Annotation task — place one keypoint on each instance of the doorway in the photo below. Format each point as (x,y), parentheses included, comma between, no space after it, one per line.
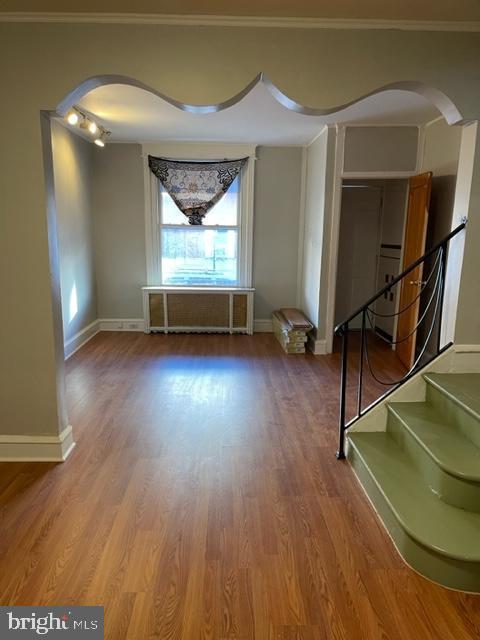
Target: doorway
(372,221)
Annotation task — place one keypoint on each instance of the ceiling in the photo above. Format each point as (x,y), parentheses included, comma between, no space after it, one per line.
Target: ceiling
(135,115)
(429,10)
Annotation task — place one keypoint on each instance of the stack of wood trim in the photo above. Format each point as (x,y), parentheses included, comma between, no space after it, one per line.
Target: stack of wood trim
(290,327)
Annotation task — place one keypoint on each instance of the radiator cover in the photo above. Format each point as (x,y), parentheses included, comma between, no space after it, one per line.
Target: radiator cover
(198,309)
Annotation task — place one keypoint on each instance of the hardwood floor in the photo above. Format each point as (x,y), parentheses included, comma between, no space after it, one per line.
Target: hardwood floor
(204,500)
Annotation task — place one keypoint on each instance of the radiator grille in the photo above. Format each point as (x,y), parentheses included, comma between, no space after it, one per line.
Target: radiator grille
(240,310)
(198,309)
(201,310)
(157,317)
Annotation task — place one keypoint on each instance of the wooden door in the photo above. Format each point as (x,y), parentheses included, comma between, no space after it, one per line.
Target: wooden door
(414,248)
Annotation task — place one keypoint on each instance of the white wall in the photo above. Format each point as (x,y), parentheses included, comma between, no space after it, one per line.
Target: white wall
(315,197)
(72,159)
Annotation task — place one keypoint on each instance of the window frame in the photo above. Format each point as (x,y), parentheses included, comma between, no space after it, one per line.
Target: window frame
(153,225)
(205,227)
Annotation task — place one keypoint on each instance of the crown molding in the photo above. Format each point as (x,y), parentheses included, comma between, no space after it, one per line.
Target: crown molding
(237,21)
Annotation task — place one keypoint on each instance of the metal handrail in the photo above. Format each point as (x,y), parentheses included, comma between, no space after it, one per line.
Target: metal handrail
(410,268)
(342,330)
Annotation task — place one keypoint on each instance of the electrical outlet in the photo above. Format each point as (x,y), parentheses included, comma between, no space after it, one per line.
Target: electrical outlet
(133,325)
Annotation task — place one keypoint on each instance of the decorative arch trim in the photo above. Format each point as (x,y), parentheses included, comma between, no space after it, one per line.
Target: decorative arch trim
(439,99)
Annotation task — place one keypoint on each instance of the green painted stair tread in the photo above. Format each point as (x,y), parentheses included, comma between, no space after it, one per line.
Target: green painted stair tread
(461,388)
(449,448)
(436,525)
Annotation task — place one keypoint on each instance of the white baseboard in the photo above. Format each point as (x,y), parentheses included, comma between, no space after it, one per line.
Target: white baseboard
(79,339)
(262,325)
(121,324)
(15,448)
(466,348)
(317,347)
(466,358)
(103,324)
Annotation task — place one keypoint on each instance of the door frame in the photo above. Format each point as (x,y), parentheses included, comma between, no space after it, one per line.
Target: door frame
(338,176)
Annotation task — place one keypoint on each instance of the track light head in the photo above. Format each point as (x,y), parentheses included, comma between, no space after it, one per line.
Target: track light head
(72,117)
(101,138)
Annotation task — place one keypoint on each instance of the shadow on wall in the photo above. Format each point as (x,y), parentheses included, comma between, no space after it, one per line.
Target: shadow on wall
(441,208)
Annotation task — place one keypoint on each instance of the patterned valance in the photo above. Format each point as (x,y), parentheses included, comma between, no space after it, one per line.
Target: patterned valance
(195,187)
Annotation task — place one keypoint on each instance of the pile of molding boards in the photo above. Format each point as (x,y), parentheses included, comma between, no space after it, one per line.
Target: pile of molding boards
(290,327)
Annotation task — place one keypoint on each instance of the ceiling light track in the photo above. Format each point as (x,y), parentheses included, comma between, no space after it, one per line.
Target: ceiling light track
(77,118)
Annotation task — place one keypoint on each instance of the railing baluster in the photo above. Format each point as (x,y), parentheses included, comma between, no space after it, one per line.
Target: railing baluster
(360,369)
(342,330)
(343,390)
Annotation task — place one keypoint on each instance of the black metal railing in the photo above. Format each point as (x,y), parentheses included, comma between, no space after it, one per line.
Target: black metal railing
(432,311)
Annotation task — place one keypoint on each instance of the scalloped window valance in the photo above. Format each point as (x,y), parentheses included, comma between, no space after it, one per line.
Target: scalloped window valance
(195,187)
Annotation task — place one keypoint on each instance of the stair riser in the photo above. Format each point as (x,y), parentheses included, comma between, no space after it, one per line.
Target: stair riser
(453,490)
(448,572)
(454,414)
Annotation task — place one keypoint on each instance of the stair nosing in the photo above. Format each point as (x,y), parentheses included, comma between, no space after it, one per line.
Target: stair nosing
(442,465)
(450,396)
(400,519)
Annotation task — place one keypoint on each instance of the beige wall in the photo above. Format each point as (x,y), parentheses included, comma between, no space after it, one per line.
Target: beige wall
(118,203)
(441,148)
(72,158)
(330,179)
(119,230)
(380,149)
(440,156)
(358,248)
(463,283)
(315,198)
(41,63)
(278,177)
(394,208)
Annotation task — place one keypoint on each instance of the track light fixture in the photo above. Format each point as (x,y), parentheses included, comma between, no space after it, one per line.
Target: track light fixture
(75,117)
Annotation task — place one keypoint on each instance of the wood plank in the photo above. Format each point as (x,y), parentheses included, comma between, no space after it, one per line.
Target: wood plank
(204,500)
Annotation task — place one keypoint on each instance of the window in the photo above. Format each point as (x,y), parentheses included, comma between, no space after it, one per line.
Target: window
(216,254)
(201,255)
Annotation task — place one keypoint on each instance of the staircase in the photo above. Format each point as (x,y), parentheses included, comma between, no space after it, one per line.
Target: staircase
(423,476)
